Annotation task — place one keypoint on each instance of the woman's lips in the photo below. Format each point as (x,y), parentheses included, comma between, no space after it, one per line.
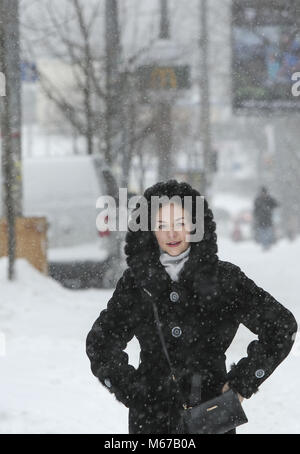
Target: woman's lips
(175,244)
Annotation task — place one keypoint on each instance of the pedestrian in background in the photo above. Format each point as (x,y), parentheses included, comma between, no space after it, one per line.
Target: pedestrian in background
(264,204)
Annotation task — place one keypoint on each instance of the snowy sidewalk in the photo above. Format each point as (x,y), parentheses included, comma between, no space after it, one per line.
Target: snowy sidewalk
(46,382)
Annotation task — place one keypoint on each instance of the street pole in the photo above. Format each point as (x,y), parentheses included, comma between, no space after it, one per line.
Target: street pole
(112,56)
(205,125)
(164,111)
(113,120)
(11,123)
(164,139)
(164,20)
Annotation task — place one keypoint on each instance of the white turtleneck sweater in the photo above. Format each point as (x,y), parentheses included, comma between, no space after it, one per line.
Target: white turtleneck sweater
(174,264)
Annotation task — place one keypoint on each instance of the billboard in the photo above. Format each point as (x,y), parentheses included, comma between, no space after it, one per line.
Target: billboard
(266,54)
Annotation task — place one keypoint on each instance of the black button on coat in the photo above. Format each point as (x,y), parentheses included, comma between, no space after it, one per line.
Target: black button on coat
(215,296)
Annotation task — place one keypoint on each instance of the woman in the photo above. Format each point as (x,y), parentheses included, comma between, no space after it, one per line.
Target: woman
(201,301)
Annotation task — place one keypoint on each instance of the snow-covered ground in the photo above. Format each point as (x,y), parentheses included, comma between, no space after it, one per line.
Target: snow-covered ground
(94,251)
(46,382)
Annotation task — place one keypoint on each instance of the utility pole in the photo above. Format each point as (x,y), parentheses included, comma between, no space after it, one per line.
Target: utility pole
(112,132)
(205,125)
(113,54)
(164,110)
(164,139)
(164,20)
(11,122)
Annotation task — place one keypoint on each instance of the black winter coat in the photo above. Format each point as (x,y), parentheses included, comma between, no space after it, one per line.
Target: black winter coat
(200,315)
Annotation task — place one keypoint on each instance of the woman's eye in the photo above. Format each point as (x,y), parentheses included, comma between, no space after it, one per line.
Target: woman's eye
(160,226)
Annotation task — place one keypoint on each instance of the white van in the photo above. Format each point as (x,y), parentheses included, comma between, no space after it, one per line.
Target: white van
(65,190)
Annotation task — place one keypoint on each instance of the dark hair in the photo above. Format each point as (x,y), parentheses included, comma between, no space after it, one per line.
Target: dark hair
(172,188)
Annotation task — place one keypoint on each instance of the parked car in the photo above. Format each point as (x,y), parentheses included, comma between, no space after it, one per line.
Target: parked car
(242,226)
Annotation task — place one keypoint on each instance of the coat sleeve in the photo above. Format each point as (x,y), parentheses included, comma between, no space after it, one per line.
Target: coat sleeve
(107,339)
(275,327)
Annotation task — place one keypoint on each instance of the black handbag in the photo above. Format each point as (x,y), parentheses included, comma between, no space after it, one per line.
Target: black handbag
(215,416)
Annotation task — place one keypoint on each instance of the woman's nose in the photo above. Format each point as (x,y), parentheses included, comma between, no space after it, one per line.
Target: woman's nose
(172,233)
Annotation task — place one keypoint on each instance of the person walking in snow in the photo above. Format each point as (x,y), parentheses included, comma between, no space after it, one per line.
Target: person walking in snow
(201,301)
(264,205)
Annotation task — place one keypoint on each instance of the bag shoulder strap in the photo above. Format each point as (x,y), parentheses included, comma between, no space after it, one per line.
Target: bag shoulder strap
(160,333)
(196,380)
(161,336)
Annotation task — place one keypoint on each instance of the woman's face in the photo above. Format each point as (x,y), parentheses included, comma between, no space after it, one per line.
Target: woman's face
(168,218)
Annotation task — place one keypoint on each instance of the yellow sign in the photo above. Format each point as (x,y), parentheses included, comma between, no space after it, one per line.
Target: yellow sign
(163,77)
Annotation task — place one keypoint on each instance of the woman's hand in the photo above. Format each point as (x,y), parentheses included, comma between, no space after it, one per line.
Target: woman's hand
(227,388)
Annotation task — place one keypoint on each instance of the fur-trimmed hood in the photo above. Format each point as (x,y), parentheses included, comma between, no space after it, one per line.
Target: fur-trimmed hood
(142,250)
